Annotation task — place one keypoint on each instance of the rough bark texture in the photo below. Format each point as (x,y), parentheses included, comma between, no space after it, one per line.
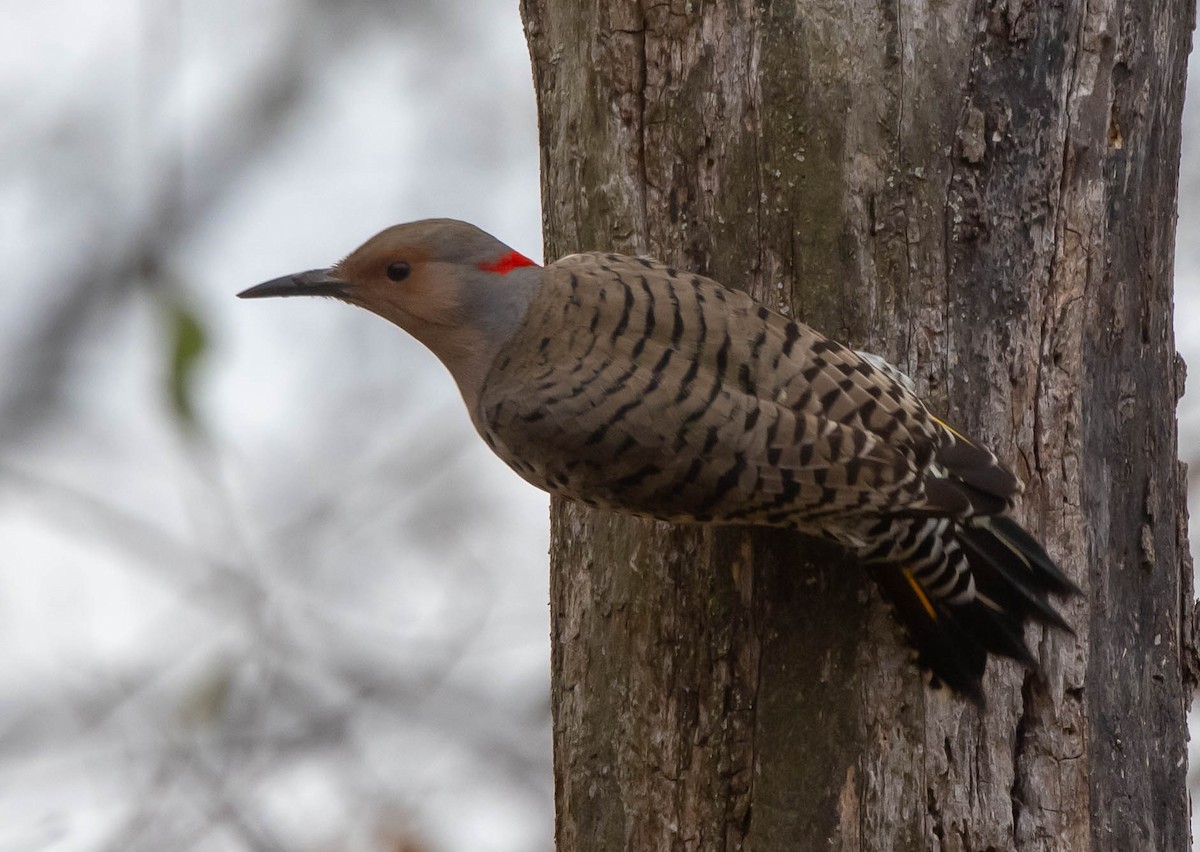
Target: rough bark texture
(985,193)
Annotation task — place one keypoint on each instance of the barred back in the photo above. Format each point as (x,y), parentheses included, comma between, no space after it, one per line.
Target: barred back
(634,387)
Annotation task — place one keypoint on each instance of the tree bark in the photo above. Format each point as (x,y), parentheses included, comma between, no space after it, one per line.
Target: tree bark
(985,194)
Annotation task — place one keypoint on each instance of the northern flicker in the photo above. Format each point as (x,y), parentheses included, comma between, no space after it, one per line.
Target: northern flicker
(629,385)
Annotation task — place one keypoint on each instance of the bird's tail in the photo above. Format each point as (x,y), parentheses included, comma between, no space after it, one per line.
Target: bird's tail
(964,588)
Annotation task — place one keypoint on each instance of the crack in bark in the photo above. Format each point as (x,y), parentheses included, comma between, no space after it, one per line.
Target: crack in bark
(1019,740)
(1057,210)
(643,183)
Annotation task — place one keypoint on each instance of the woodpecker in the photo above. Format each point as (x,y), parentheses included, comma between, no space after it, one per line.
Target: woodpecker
(629,385)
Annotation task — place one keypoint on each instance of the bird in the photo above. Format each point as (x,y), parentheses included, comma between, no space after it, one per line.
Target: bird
(629,385)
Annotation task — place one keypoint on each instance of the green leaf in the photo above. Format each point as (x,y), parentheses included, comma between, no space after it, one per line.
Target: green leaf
(188,343)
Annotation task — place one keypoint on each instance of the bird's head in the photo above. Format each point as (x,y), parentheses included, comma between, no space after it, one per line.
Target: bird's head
(457,289)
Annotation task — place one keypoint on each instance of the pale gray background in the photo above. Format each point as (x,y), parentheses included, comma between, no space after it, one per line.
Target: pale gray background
(317,618)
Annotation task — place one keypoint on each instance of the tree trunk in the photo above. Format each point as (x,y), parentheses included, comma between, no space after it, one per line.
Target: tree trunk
(985,194)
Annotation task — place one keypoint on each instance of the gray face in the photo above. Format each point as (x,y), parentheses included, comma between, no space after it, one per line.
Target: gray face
(455,288)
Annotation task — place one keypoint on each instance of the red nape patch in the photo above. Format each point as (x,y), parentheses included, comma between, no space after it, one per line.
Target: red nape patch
(507,263)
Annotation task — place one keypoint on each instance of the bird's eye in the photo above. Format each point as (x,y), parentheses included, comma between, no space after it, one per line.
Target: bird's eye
(399,270)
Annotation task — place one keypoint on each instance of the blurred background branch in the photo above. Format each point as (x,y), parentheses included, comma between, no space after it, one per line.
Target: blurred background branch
(261,591)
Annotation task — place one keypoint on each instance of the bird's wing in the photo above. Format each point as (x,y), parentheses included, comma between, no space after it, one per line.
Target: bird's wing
(635,387)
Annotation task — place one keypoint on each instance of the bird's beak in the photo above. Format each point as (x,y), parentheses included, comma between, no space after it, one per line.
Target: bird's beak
(315,282)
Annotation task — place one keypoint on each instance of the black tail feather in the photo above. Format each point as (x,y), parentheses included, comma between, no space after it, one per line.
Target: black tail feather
(953,630)
(945,646)
(1010,576)
(1017,538)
